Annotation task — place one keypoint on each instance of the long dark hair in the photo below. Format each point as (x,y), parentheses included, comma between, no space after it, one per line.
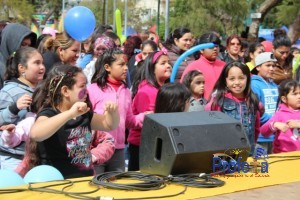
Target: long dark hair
(253,46)
(59,76)
(107,58)
(176,34)
(21,56)
(146,72)
(281,39)
(171,97)
(220,87)
(285,87)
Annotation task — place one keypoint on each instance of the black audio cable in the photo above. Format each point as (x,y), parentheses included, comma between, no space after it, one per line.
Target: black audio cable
(145,181)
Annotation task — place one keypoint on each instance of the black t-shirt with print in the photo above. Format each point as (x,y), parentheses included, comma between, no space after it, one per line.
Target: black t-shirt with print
(68,150)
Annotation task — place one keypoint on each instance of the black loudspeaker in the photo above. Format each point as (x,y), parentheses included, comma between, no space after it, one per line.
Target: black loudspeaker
(179,143)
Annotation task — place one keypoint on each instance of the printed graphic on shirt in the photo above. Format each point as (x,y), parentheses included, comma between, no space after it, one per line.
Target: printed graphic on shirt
(271,96)
(78,146)
(296,134)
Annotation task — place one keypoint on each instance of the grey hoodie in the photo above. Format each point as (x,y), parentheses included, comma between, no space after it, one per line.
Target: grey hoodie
(11,39)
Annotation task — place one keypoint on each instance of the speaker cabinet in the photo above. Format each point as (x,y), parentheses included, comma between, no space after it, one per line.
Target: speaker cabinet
(179,143)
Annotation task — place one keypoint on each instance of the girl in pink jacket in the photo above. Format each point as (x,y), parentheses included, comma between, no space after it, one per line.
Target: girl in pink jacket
(108,85)
(286,121)
(154,72)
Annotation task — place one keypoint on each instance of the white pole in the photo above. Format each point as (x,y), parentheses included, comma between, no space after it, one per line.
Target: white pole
(167,20)
(125,23)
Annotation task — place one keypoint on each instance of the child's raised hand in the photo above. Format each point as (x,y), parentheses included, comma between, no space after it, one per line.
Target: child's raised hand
(281,126)
(292,123)
(24,101)
(79,108)
(8,127)
(110,107)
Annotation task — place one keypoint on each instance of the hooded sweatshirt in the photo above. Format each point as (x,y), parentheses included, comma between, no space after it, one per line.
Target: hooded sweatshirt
(11,39)
(267,94)
(283,142)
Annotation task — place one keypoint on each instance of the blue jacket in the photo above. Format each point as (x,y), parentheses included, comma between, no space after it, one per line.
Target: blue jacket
(267,94)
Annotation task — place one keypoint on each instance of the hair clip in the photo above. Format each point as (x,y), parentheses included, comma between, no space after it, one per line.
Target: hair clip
(156,55)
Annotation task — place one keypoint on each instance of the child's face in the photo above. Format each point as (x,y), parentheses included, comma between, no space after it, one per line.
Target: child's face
(266,70)
(79,91)
(197,86)
(118,69)
(146,51)
(257,51)
(99,49)
(163,69)
(292,100)
(35,68)
(236,82)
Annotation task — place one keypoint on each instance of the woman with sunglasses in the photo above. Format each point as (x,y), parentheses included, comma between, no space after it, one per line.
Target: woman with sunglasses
(233,49)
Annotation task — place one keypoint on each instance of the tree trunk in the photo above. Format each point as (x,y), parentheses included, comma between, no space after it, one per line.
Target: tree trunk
(294,29)
(264,8)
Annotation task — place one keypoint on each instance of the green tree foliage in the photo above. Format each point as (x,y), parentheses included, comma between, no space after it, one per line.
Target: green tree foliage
(287,11)
(224,16)
(98,8)
(17,11)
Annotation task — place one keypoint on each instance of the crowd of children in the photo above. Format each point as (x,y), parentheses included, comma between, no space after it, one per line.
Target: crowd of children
(74,113)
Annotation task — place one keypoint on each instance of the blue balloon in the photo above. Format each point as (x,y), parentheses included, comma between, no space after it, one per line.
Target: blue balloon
(9,178)
(80,23)
(43,173)
(185,54)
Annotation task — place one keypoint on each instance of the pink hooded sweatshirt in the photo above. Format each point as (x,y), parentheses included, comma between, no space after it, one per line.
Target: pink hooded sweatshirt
(122,97)
(283,142)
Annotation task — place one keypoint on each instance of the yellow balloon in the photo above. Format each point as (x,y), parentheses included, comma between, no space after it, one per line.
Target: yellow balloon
(118,23)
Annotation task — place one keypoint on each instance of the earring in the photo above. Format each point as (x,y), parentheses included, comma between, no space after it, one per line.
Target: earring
(24,75)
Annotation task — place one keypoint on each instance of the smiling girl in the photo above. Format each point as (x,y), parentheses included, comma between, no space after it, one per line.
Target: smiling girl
(234,97)
(25,70)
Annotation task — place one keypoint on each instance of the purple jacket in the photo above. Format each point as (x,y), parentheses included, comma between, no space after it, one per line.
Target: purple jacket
(122,97)
(283,142)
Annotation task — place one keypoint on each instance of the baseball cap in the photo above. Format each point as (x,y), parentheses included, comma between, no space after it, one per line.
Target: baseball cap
(264,57)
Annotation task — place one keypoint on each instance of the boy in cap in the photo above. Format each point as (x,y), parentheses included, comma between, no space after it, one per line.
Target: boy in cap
(263,85)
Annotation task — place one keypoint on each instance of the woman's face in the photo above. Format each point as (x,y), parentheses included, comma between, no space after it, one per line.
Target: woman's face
(234,47)
(211,54)
(281,53)
(71,54)
(185,42)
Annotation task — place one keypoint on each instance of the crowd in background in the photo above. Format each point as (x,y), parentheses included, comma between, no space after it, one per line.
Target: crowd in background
(79,106)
